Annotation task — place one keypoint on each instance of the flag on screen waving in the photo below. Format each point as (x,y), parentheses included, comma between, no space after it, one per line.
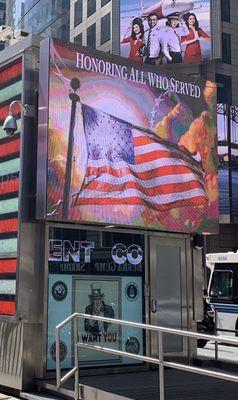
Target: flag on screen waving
(131,166)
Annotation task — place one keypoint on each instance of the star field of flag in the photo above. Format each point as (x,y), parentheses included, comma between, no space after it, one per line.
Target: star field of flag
(107,137)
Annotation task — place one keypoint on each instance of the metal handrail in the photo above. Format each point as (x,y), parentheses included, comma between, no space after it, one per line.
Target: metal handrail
(160,361)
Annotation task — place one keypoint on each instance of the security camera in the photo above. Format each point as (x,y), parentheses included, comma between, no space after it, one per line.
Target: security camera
(10,125)
(10,132)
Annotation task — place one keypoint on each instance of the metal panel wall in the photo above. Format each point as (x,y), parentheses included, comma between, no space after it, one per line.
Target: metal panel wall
(11,346)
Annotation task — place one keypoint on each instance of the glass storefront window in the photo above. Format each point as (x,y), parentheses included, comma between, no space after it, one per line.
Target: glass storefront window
(98,273)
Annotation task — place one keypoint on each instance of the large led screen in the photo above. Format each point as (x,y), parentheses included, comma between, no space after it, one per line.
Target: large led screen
(10,90)
(165,31)
(127,145)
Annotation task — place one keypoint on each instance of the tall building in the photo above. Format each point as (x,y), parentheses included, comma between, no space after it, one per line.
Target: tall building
(92,24)
(42,17)
(83,22)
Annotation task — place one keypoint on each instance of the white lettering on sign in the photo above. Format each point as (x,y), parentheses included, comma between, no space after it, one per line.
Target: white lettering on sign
(132,74)
(121,254)
(65,250)
(77,251)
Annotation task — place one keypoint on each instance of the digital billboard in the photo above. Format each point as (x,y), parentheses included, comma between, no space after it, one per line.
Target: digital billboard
(10,90)
(120,143)
(165,31)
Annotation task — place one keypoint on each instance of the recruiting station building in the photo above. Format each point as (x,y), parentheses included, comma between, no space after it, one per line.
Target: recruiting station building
(103,193)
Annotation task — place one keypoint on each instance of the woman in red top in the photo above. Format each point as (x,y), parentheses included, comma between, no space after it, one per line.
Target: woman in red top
(135,40)
(193,51)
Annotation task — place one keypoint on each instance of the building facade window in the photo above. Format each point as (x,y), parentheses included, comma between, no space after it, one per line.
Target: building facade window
(226,48)
(106,28)
(91,36)
(64,32)
(2,13)
(225,11)
(103,2)
(78,12)
(78,39)
(224,89)
(91,7)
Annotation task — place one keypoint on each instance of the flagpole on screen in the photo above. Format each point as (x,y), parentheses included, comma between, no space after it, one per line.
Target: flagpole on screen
(74,97)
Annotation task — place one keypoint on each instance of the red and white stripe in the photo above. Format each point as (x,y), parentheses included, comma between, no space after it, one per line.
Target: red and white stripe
(160,178)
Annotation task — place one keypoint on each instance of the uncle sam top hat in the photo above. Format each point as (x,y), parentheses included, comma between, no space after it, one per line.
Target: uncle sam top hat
(96,293)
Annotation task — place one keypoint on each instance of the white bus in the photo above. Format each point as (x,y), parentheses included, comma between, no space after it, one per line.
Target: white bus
(223,289)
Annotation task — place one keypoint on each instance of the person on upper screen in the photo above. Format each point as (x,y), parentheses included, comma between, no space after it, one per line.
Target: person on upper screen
(135,40)
(170,38)
(152,41)
(193,51)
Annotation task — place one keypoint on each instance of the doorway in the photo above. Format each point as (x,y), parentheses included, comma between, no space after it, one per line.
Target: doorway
(168,294)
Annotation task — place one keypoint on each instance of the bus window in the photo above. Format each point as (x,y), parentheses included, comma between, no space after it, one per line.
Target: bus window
(221,286)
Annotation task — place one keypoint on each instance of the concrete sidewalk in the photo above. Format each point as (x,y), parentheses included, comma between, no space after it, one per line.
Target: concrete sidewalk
(179,385)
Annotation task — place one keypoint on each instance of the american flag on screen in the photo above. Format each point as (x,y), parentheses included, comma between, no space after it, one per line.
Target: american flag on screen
(132,166)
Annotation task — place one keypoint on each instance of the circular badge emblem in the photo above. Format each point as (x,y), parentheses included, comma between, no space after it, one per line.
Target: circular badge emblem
(132,291)
(59,291)
(63,351)
(132,345)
